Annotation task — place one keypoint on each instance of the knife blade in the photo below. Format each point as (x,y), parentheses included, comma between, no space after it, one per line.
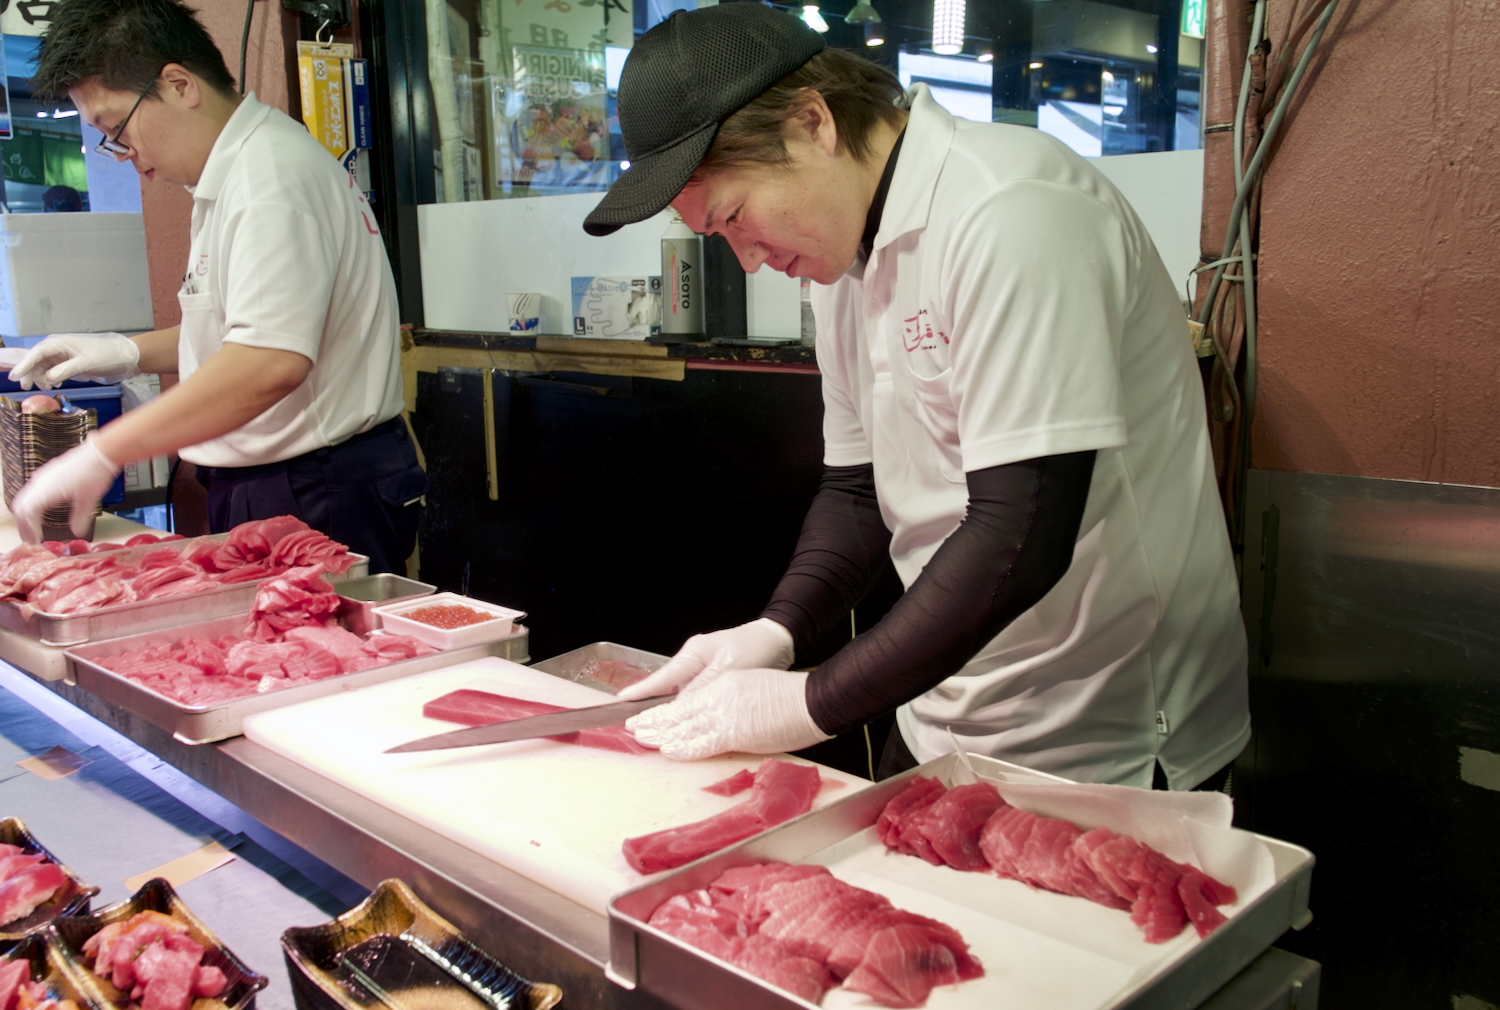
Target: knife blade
(549,724)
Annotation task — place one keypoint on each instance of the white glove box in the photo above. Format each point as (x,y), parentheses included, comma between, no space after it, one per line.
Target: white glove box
(73,273)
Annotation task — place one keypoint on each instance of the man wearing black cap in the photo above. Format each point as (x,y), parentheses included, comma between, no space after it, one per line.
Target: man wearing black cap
(1011,411)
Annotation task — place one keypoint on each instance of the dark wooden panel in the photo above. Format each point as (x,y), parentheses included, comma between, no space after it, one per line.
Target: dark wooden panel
(638,511)
(1375,698)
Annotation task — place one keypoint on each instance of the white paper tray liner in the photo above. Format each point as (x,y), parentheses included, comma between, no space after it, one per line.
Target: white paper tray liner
(1046,951)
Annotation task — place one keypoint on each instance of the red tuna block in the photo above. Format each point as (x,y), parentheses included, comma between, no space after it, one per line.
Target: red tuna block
(1107,868)
(12,975)
(952,824)
(1039,851)
(921,793)
(733,785)
(21,893)
(902,964)
(764,958)
(696,919)
(480,708)
(799,928)
(743,890)
(809,916)
(782,790)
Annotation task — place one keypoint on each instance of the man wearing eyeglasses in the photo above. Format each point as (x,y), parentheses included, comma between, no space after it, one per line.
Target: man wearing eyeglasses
(288,345)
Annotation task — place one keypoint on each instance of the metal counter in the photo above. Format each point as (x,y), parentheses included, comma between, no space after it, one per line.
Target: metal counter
(528,927)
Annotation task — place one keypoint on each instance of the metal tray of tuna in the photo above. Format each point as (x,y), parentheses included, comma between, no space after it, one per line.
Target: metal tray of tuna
(221,719)
(792,904)
(391,950)
(603,665)
(81,622)
(49,889)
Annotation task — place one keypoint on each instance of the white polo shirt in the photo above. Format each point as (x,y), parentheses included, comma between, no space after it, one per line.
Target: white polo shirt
(286,254)
(1014,307)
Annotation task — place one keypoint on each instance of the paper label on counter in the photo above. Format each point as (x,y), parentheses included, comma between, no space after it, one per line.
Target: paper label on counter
(57,763)
(184,868)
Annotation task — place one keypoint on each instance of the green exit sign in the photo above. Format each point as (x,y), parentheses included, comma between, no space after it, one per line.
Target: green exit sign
(1194,14)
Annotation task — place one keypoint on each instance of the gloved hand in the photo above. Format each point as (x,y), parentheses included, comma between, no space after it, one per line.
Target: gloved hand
(760,644)
(80,476)
(89,356)
(750,711)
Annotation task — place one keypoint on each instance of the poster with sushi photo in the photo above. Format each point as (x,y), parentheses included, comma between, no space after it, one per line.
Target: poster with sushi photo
(550,120)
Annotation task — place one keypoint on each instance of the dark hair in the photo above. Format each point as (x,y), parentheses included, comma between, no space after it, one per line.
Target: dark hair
(125,43)
(62,198)
(859,93)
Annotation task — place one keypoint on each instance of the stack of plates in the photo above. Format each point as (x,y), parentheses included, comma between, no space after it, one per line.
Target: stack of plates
(28,441)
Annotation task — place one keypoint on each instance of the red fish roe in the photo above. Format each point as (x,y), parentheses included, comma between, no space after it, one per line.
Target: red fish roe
(448,615)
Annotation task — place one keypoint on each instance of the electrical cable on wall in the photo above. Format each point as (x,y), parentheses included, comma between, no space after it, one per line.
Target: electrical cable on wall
(1228,310)
(245,41)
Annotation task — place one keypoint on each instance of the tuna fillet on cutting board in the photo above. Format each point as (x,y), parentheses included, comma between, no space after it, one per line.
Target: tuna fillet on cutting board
(554,812)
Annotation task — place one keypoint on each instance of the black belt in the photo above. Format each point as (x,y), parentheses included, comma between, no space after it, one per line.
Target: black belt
(395,426)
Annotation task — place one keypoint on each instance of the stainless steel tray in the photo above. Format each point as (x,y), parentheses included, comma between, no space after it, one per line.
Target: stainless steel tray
(641,956)
(358,598)
(577,665)
(145,615)
(195,724)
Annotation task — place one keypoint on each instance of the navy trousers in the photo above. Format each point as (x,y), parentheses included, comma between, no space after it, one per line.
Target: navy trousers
(363,492)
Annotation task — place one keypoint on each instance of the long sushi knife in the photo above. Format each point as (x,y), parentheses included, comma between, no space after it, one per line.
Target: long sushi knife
(533,726)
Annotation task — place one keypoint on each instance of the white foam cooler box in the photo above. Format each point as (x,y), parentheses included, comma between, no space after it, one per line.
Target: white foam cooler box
(73,273)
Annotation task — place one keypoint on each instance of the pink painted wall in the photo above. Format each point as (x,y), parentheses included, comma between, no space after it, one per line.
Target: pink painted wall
(1379,307)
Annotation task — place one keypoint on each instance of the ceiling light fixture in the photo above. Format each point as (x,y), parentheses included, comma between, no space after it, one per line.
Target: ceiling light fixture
(985,56)
(948,27)
(874,36)
(813,18)
(1150,49)
(1033,66)
(863,14)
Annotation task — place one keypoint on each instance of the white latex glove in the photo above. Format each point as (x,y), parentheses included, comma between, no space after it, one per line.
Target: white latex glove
(761,644)
(89,356)
(80,476)
(749,711)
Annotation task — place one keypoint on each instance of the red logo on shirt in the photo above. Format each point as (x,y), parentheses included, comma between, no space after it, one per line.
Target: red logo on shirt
(364,208)
(202,267)
(918,334)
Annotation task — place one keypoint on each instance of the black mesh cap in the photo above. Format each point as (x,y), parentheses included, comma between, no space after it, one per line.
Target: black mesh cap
(681,80)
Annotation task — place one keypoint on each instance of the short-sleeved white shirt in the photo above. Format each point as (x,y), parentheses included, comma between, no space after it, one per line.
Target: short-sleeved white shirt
(1014,307)
(286,254)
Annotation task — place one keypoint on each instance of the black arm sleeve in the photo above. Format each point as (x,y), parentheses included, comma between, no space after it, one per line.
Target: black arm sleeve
(1013,546)
(839,555)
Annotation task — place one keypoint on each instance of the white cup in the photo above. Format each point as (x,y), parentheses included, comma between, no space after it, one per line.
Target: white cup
(523,312)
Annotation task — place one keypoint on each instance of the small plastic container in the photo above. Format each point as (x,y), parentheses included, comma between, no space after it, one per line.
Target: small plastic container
(393,619)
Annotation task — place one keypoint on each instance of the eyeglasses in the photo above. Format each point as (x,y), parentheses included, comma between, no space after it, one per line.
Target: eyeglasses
(110,147)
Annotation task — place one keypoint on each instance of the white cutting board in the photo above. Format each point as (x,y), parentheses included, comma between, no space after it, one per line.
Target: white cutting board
(554,812)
